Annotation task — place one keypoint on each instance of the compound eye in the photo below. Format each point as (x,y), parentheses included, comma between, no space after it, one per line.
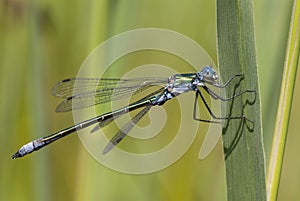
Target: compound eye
(208,73)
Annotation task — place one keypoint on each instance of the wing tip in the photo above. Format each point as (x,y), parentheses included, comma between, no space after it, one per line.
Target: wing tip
(108,147)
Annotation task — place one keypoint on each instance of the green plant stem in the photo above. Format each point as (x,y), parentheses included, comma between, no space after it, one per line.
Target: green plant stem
(243,147)
(285,103)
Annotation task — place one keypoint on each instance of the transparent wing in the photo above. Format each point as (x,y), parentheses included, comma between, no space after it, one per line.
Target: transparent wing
(108,121)
(125,130)
(87,92)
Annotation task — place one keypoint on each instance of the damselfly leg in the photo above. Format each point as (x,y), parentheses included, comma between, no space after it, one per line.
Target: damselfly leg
(227,82)
(198,93)
(218,97)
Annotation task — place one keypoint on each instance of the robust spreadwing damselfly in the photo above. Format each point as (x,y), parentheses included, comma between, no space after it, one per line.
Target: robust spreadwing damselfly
(85,94)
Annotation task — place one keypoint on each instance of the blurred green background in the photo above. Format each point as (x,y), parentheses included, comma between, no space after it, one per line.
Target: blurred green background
(42,42)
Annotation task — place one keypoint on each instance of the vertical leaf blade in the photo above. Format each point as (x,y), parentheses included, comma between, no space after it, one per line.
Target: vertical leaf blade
(285,103)
(243,144)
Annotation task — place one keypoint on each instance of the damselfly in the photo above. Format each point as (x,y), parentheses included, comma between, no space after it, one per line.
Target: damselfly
(85,95)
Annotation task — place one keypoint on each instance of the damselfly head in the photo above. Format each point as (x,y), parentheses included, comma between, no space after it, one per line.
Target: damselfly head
(208,74)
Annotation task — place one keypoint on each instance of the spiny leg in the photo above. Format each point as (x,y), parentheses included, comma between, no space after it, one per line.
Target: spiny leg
(125,130)
(216,96)
(195,111)
(198,92)
(227,82)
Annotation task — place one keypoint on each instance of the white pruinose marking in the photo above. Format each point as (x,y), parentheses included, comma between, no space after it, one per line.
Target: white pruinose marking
(27,148)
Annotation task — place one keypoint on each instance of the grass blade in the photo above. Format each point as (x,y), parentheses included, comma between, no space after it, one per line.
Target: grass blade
(243,146)
(285,103)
